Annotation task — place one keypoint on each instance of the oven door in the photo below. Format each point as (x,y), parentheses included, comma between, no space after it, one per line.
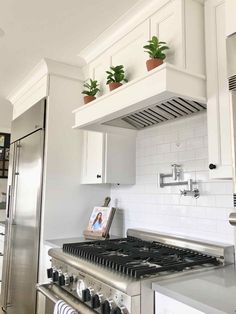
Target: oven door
(54,293)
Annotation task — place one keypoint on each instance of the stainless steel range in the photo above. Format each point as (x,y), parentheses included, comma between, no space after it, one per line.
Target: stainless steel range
(115,276)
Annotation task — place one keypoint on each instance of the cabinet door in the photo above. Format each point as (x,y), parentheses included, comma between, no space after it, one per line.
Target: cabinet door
(167,305)
(230,11)
(93,158)
(218,105)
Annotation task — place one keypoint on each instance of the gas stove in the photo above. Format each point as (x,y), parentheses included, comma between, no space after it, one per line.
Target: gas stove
(115,276)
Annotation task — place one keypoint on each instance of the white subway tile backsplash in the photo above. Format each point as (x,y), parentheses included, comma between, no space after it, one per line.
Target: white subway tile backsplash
(145,205)
(193,143)
(163,148)
(224,201)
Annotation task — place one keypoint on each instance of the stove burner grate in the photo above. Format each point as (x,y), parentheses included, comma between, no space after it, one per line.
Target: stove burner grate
(137,258)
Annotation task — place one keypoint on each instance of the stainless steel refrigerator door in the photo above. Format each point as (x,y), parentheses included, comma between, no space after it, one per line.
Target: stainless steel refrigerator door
(25,226)
(6,258)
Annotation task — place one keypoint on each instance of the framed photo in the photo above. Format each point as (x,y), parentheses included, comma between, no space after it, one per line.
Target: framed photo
(99,223)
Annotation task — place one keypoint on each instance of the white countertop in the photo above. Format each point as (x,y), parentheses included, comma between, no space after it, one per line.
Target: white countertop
(212,292)
(57,243)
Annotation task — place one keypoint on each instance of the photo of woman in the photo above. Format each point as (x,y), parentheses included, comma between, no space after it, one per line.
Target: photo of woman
(98,222)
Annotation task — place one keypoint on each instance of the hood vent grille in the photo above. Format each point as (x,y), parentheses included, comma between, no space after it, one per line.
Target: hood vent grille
(168,110)
(232,82)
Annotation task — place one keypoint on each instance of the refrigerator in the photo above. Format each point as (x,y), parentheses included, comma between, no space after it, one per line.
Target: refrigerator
(22,242)
(231,64)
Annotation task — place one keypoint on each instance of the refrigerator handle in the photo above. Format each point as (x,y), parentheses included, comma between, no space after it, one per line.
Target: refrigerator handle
(16,174)
(8,201)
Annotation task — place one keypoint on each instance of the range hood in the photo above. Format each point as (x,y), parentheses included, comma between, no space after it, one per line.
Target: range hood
(160,95)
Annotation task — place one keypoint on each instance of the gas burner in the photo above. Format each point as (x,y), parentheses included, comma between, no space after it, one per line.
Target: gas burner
(137,258)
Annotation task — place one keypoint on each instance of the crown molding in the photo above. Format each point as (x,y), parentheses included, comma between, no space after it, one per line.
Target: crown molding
(64,69)
(45,67)
(131,19)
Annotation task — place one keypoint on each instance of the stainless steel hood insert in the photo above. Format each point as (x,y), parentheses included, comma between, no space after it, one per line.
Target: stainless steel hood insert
(166,110)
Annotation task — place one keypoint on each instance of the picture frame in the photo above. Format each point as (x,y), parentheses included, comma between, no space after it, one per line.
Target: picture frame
(99,223)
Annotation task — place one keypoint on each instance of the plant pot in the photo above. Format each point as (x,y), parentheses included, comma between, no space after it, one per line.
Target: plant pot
(153,63)
(88,99)
(114,85)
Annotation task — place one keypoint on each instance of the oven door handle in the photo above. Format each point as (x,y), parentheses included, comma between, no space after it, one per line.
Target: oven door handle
(54,294)
(47,293)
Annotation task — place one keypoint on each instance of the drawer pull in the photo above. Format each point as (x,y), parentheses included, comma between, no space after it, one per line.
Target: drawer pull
(2,234)
(1,254)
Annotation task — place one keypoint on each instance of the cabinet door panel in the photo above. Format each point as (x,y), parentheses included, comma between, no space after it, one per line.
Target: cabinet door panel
(167,305)
(218,106)
(93,158)
(230,7)
(164,20)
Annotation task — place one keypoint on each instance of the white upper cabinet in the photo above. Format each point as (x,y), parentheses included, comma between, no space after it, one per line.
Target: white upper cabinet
(218,105)
(230,13)
(108,158)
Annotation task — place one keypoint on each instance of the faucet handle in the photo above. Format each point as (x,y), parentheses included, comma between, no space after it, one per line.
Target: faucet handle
(183,192)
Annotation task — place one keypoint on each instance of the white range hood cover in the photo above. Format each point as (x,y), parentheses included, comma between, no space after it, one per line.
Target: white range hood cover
(162,94)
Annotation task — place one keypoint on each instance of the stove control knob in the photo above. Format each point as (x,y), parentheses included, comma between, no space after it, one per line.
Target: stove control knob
(119,310)
(71,278)
(86,295)
(80,287)
(61,280)
(106,307)
(49,272)
(67,279)
(55,276)
(95,301)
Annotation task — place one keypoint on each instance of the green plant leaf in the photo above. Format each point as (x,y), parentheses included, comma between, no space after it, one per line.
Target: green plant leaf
(91,88)
(116,74)
(164,48)
(155,48)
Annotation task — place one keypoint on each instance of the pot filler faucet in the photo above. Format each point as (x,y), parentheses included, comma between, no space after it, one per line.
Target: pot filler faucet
(176,177)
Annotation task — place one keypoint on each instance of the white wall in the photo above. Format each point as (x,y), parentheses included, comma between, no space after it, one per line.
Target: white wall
(145,205)
(5,115)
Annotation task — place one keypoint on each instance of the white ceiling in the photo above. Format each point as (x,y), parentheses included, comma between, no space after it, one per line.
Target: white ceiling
(56,29)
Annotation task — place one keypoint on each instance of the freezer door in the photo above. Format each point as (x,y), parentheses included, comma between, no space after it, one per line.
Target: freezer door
(24,223)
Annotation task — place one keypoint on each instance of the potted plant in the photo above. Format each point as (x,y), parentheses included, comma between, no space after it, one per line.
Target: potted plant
(91,89)
(116,76)
(156,50)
